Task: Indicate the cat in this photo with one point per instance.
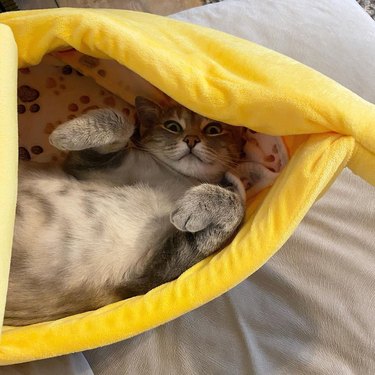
(132, 208)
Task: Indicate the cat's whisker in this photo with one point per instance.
(222, 159)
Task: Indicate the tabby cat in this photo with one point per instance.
(132, 208)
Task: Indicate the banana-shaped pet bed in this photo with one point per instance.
(324, 126)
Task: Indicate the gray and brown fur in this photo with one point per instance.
(133, 208)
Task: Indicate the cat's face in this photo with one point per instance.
(187, 142)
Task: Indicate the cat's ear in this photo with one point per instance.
(148, 112)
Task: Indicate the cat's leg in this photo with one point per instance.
(211, 213)
(95, 140)
(205, 220)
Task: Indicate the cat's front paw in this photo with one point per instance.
(191, 215)
(206, 205)
(103, 129)
(65, 139)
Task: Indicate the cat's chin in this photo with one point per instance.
(192, 166)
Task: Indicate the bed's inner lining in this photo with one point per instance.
(67, 84)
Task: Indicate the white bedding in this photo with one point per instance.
(310, 309)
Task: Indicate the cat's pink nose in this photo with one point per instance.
(191, 140)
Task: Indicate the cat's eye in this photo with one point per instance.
(213, 128)
(173, 126)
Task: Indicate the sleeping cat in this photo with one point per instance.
(133, 208)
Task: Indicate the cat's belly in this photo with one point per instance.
(72, 236)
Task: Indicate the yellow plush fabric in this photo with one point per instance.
(221, 77)
(8, 154)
